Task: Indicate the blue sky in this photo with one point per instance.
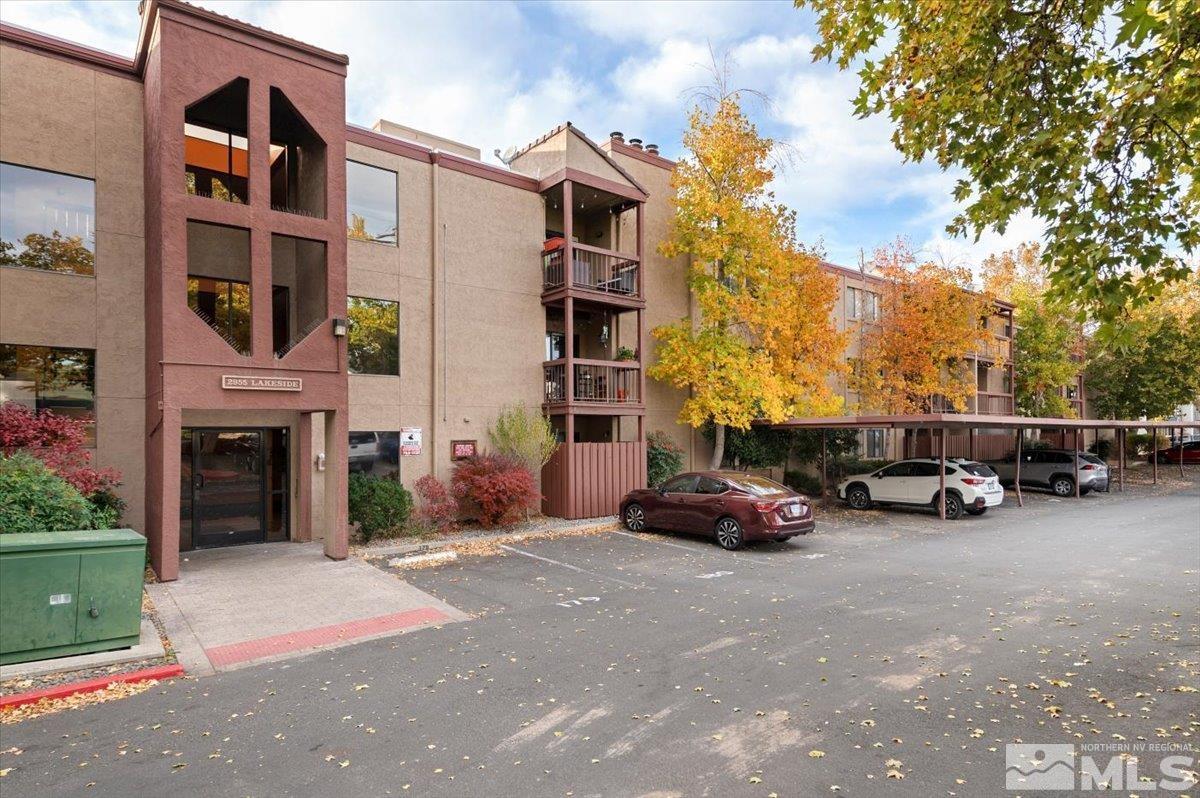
(498, 74)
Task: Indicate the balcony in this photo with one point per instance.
(598, 386)
(984, 403)
(595, 272)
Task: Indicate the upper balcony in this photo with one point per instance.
(595, 273)
(609, 387)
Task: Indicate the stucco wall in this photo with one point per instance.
(68, 118)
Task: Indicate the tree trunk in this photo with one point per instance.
(718, 447)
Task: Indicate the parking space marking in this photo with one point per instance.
(658, 541)
(576, 568)
(577, 602)
(714, 575)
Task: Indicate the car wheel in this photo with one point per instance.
(1063, 486)
(954, 507)
(975, 511)
(635, 518)
(729, 534)
(859, 498)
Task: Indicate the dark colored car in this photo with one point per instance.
(1190, 452)
(729, 506)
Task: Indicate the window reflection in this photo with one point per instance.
(47, 220)
(374, 336)
(370, 203)
(374, 453)
(51, 378)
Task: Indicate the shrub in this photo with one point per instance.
(438, 507)
(1101, 447)
(58, 441)
(664, 458)
(500, 487)
(803, 482)
(34, 499)
(1144, 443)
(379, 505)
(524, 435)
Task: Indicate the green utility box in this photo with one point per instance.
(64, 593)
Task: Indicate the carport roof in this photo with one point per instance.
(968, 421)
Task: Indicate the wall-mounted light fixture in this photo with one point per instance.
(339, 328)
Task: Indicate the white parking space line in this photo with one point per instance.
(655, 540)
(576, 568)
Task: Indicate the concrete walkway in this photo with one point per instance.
(242, 605)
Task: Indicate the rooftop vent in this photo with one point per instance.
(617, 135)
(652, 149)
(635, 143)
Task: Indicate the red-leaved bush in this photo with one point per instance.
(438, 507)
(58, 441)
(501, 488)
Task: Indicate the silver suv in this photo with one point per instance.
(1052, 468)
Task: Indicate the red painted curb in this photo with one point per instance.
(90, 685)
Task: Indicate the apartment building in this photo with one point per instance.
(248, 297)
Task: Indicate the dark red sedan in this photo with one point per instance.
(730, 506)
(1190, 452)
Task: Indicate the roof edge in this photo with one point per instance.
(66, 50)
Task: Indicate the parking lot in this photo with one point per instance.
(887, 653)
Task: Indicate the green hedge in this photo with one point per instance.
(35, 499)
(379, 505)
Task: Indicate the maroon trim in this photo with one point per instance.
(42, 44)
(641, 155)
(455, 163)
(593, 181)
(91, 685)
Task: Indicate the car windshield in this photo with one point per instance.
(977, 469)
(759, 486)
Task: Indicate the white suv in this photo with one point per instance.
(971, 487)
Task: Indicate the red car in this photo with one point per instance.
(1190, 453)
(730, 506)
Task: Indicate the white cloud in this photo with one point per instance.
(114, 32)
(699, 20)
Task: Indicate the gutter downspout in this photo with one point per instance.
(435, 315)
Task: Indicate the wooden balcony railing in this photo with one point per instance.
(593, 268)
(983, 403)
(608, 382)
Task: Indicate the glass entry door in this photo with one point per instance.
(228, 484)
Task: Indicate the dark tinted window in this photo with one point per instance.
(370, 203)
(62, 381)
(373, 338)
(978, 470)
(758, 486)
(683, 484)
(1058, 457)
(711, 486)
(927, 470)
(47, 220)
(897, 470)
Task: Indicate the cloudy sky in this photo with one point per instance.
(497, 74)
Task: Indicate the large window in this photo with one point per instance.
(862, 304)
(47, 220)
(50, 378)
(375, 453)
(374, 336)
(370, 203)
(218, 280)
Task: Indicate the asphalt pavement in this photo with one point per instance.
(896, 658)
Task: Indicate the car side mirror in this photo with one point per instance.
(877, 476)
(661, 491)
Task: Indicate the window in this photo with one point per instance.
(871, 309)
(47, 220)
(711, 487)
(981, 376)
(759, 486)
(51, 378)
(218, 280)
(375, 453)
(875, 444)
(1006, 380)
(216, 153)
(897, 470)
(298, 293)
(978, 470)
(862, 304)
(853, 303)
(683, 484)
(374, 336)
(370, 203)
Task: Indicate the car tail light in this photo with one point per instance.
(765, 507)
(973, 480)
(1088, 467)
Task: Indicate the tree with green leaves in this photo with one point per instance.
(763, 346)
(1159, 369)
(525, 435)
(1084, 113)
(1048, 343)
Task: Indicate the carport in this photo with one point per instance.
(944, 422)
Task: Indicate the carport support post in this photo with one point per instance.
(1121, 459)
(942, 474)
(824, 465)
(1017, 475)
(1075, 458)
(1181, 451)
(1154, 455)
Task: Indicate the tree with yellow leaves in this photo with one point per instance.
(931, 324)
(763, 346)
